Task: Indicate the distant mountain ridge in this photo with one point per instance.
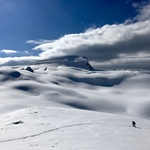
(72, 61)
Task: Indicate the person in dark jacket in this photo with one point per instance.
(133, 124)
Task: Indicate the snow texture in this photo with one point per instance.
(66, 104)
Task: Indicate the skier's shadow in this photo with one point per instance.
(138, 127)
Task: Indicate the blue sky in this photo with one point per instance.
(44, 21)
(49, 19)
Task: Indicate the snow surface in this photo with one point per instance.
(66, 105)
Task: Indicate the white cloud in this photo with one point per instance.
(37, 42)
(102, 44)
(106, 43)
(124, 45)
(7, 51)
(143, 10)
(11, 61)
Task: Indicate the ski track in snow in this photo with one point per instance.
(58, 128)
(68, 83)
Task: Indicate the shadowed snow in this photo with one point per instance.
(61, 105)
(122, 92)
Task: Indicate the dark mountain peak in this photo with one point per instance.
(71, 61)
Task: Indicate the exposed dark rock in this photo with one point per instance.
(45, 69)
(29, 69)
(17, 122)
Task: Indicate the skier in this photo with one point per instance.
(133, 124)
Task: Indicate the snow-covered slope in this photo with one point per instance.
(64, 104)
(60, 128)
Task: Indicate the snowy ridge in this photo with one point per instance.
(63, 104)
(72, 61)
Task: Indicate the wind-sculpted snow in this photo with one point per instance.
(121, 92)
(63, 104)
(9, 75)
(141, 80)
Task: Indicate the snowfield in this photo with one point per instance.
(66, 104)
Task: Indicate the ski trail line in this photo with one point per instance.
(47, 131)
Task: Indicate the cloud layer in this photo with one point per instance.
(117, 46)
(8, 51)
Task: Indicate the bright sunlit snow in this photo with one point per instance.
(66, 104)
